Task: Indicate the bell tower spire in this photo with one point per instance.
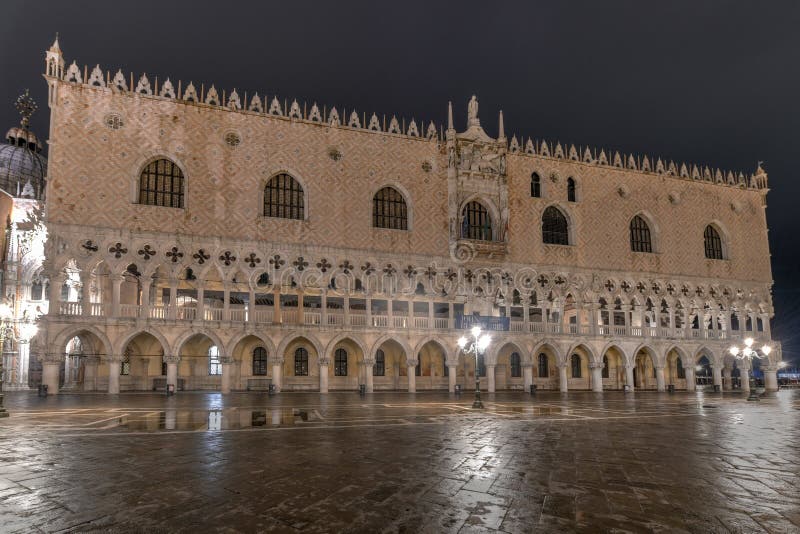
(54, 70)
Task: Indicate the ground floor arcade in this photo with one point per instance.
(120, 358)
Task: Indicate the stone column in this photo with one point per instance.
(277, 373)
(563, 385)
(490, 378)
(323, 310)
(690, 381)
(226, 362)
(411, 368)
(56, 283)
(744, 377)
(51, 365)
(527, 375)
(597, 376)
(86, 298)
(452, 368)
(767, 333)
(323, 374)
(276, 306)
(727, 382)
(113, 362)
(251, 305)
(200, 314)
(172, 370)
(629, 377)
(369, 383)
(300, 318)
(660, 380)
(144, 311)
(173, 298)
(90, 364)
(116, 282)
(717, 372)
(770, 378)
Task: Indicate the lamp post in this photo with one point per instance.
(476, 346)
(747, 353)
(6, 317)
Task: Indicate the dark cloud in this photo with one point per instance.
(713, 82)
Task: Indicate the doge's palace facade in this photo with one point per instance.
(217, 240)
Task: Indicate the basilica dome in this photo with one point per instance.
(23, 167)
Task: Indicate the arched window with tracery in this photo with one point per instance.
(379, 369)
(125, 365)
(571, 190)
(576, 366)
(284, 198)
(259, 361)
(476, 222)
(161, 184)
(555, 230)
(713, 243)
(300, 362)
(544, 371)
(516, 365)
(536, 185)
(389, 209)
(340, 362)
(640, 235)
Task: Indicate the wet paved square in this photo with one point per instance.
(394, 462)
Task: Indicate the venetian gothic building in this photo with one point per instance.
(213, 239)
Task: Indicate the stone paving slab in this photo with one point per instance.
(394, 462)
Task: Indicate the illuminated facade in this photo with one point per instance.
(217, 240)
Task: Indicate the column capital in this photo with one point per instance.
(411, 363)
(659, 367)
(369, 362)
(91, 360)
(527, 364)
(226, 360)
(324, 361)
(113, 358)
(275, 360)
(451, 363)
(171, 359)
(595, 365)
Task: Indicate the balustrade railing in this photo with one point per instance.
(359, 318)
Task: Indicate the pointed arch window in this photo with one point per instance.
(259, 361)
(536, 186)
(641, 240)
(161, 184)
(340, 362)
(544, 370)
(379, 369)
(284, 198)
(300, 362)
(36, 290)
(516, 365)
(389, 210)
(555, 230)
(476, 222)
(571, 190)
(713, 243)
(576, 366)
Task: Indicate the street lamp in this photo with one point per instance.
(477, 346)
(6, 318)
(747, 353)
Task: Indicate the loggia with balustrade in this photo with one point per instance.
(375, 312)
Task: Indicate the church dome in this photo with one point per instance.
(23, 167)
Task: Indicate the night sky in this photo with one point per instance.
(712, 83)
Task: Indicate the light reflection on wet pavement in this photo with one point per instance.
(400, 463)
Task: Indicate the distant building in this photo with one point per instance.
(23, 169)
(212, 239)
